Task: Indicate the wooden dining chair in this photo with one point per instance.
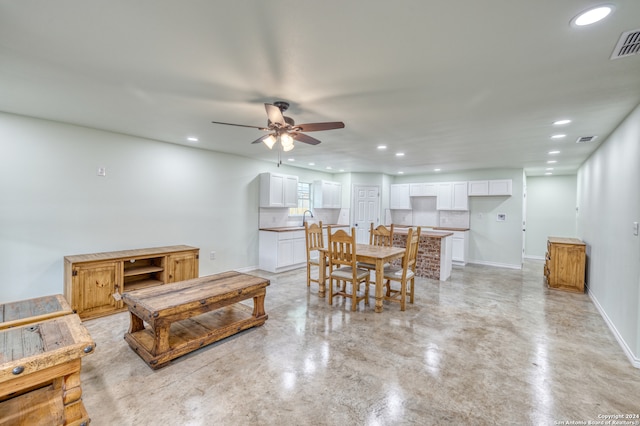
(404, 275)
(343, 268)
(379, 236)
(314, 242)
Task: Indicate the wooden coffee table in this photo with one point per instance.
(188, 315)
(13, 314)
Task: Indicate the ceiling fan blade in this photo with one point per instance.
(274, 114)
(301, 137)
(314, 127)
(262, 138)
(240, 125)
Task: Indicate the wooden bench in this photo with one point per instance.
(187, 315)
(40, 372)
(13, 314)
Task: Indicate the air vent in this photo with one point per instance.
(628, 45)
(584, 139)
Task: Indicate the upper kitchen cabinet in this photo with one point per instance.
(278, 190)
(423, 189)
(327, 195)
(452, 196)
(490, 187)
(399, 197)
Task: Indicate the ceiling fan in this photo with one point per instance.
(285, 130)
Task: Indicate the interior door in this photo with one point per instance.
(366, 211)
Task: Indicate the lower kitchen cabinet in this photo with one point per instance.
(282, 250)
(460, 247)
(93, 283)
(564, 266)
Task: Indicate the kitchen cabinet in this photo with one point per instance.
(452, 196)
(94, 282)
(327, 195)
(399, 197)
(423, 189)
(565, 264)
(278, 190)
(490, 187)
(460, 247)
(281, 251)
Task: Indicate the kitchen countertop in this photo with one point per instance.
(423, 233)
(300, 228)
(442, 228)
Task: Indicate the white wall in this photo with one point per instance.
(154, 194)
(490, 242)
(608, 204)
(551, 211)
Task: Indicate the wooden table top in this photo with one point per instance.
(41, 345)
(33, 310)
(191, 294)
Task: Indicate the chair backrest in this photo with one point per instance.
(381, 235)
(313, 237)
(342, 248)
(411, 251)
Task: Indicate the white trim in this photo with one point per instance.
(529, 256)
(496, 264)
(247, 269)
(625, 348)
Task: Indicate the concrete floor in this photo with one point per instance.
(489, 346)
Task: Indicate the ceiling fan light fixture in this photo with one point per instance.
(286, 141)
(269, 141)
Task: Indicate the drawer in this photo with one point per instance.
(290, 235)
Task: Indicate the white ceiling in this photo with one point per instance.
(453, 84)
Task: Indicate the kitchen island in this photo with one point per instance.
(434, 252)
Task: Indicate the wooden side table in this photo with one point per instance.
(33, 310)
(40, 372)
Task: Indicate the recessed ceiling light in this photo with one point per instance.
(312, 164)
(342, 170)
(436, 170)
(551, 162)
(328, 167)
(554, 152)
(560, 136)
(593, 15)
(548, 173)
(561, 122)
(192, 139)
(382, 147)
(549, 168)
(399, 154)
(400, 173)
(291, 159)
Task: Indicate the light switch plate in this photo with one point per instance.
(635, 228)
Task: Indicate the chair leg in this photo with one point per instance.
(413, 284)
(308, 275)
(330, 291)
(366, 292)
(403, 295)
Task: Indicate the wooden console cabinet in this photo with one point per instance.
(94, 283)
(565, 264)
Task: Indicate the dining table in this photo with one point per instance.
(377, 255)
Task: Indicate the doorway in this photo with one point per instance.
(366, 210)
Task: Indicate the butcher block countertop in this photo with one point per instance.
(299, 228)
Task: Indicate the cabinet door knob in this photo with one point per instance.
(17, 370)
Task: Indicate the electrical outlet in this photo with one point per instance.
(102, 171)
(212, 255)
(635, 228)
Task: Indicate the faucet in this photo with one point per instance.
(303, 215)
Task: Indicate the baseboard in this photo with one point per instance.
(247, 269)
(635, 361)
(496, 264)
(533, 257)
